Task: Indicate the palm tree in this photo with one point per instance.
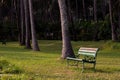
(27, 43)
(95, 10)
(66, 44)
(119, 13)
(84, 10)
(22, 23)
(114, 37)
(34, 39)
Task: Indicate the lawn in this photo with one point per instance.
(47, 64)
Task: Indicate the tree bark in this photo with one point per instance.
(34, 38)
(119, 20)
(70, 20)
(66, 44)
(114, 37)
(95, 10)
(103, 9)
(27, 41)
(84, 10)
(17, 8)
(95, 20)
(22, 23)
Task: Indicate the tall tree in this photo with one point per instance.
(34, 38)
(119, 20)
(114, 37)
(84, 10)
(17, 10)
(103, 5)
(27, 41)
(22, 23)
(76, 3)
(95, 10)
(66, 44)
(95, 20)
(119, 13)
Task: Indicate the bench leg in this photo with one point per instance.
(94, 66)
(82, 66)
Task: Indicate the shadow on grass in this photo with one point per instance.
(108, 71)
(91, 70)
(51, 76)
(103, 71)
(13, 49)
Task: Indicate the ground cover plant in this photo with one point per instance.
(47, 65)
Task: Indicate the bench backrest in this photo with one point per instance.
(90, 52)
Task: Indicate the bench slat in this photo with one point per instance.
(87, 51)
(85, 48)
(76, 59)
(87, 54)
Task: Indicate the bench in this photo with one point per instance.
(85, 55)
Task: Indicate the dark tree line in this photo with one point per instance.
(82, 15)
(20, 14)
(40, 19)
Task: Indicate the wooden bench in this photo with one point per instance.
(85, 55)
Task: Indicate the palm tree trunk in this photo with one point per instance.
(111, 21)
(95, 19)
(84, 10)
(27, 41)
(17, 8)
(22, 23)
(66, 44)
(70, 19)
(103, 8)
(34, 38)
(119, 21)
(95, 10)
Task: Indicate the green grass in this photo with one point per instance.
(47, 65)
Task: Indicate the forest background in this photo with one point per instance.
(89, 19)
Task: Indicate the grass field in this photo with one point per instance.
(47, 65)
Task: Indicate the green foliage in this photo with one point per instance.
(44, 32)
(14, 77)
(110, 45)
(90, 30)
(6, 67)
(104, 30)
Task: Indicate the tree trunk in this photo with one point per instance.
(84, 10)
(17, 8)
(70, 19)
(103, 8)
(22, 23)
(66, 44)
(95, 19)
(34, 38)
(27, 43)
(114, 37)
(119, 21)
(95, 10)
(76, 2)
